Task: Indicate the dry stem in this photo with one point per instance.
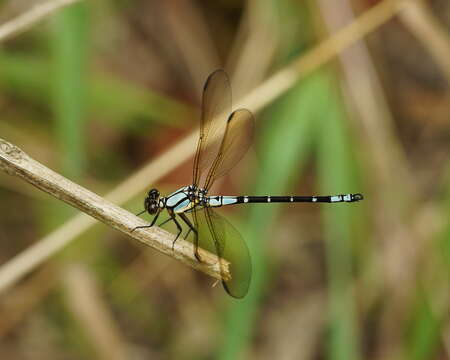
(15, 162)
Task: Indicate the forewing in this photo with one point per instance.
(236, 140)
(216, 107)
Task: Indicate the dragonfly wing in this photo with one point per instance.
(236, 140)
(222, 143)
(216, 106)
(217, 235)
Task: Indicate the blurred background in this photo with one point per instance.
(102, 89)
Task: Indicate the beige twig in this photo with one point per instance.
(26, 20)
(36, 254)
(180, 152)
(15, 162)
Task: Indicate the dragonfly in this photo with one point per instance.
(225, 137)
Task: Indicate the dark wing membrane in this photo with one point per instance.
(236, 141)
(218, 236)
(216, 106)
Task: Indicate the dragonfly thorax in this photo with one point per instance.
(196, 195)
(201, 195)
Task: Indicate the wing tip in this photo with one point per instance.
(239, 111)
(234, 294)
(215, 73)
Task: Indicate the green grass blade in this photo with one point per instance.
(69, 85)
(337, 176)
(425, 332)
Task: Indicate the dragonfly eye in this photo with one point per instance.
(153, 194)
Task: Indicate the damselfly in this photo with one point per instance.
(224, 138)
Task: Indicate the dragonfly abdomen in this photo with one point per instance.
(284, 199)
(216, 201)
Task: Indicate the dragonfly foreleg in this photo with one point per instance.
(141, 212)
(166, 221)
(148, 226)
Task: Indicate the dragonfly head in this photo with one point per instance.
(151, 202)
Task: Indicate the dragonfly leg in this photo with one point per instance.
(141, 212)
(147, 226)
(165, 221)
(154, 219)
(180, 229)
(196, 253)
(189, 224)
(192, 228)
